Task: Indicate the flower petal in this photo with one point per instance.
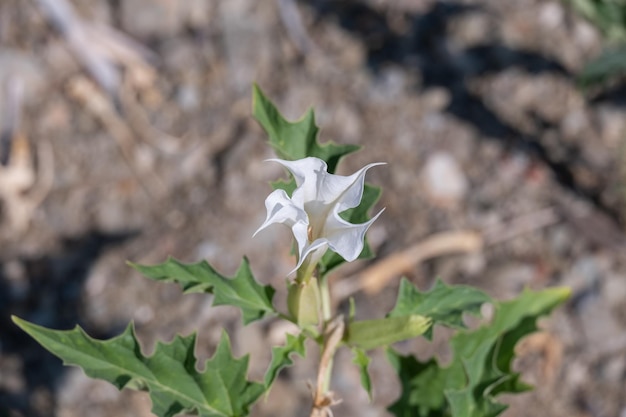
(315, 184)
(316, 250)
(312, 211)
(307, 172)
(281, 209)
(346, 238)
(345, 192)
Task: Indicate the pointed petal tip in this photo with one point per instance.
(378, 214)
(292, 272)
(373, 164)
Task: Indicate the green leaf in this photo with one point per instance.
(481, 364)
(295, 140)
(443, 304)
(289, 186)
(423, 385)
(241, 290)
(281, 357)
(361, 360)
(169, 375)
(359, 214)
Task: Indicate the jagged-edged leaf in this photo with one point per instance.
(423, 385)
(170, 375)
(361, 360)
(295, 140)
(491, 349)
(481, 365)
(359, 214)
(241, 290)
(444, 304)
(281, 357)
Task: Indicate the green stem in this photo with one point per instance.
(326, 316)
(327, 313)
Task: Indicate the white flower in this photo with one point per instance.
(313, 210)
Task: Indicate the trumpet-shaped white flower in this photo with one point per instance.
(312, 212)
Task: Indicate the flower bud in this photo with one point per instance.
(370, 334)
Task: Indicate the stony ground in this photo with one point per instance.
(128, 135)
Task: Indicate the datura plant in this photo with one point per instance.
(328, 215)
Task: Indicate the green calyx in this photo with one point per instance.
(303, 302)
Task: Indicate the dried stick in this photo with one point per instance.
(22, 189)
(374, 278)
(86, 93)
(291, 18)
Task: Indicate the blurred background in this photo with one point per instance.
(126, 134)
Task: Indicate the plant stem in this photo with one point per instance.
(323, 399)
(325, 299)
(324, 384)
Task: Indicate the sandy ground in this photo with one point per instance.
(131, 137)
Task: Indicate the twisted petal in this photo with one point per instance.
(315, 250)
(317, 185)
(281, 209)
(346, 192)
(346, 238)
(306, 172)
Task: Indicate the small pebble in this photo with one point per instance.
(444, 180)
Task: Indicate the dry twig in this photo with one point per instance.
(86, 93)
(99, 48)
(374, 278)
(291, 18)
(121, 68)
(549, 347)
(22, 188)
